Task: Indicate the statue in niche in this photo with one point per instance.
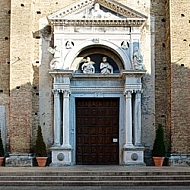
(88, 67)
(105, 67)
(55, 63)
(137, 59)
(98, 13)
(69, 44)
(125, 45)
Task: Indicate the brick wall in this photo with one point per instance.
(24, 73)
(179, 77)
(159, 13)
(5, 60)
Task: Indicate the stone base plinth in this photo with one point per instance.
(133, 156)
(179, 160)
(19, 160)
(61, 156)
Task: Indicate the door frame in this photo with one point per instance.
(73, 119)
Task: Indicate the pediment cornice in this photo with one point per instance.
(80, 14)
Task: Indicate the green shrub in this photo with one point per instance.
(159, 144)
(2, 152)
(40, 149)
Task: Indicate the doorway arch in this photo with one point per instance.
(73, 58)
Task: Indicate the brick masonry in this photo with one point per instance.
(179, 79)
(22, 85)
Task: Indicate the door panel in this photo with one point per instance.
(97, 124)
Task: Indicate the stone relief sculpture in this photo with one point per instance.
(69, 44)
(98, 13)
(137, 59)
(125, 45)
(88, 67)
(105, 67)
(55, 63)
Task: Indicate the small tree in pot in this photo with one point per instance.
(2, 152)
(158, 151)
(40, 149)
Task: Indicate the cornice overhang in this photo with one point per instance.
(89, 22)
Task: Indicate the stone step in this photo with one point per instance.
(94, 178)
(92, 173)
(97, 183)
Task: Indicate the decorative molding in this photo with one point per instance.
(100, 23)
(133, 86)
(96, 89)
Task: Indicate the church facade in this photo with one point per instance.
(98, 76)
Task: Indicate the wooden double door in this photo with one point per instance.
(97, 131)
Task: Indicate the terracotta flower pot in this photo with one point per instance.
(1, 161)
(158, 161)
(41, 161)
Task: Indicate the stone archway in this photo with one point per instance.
(96, 53)
(70, 59)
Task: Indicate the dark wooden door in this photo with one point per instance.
(97, 126)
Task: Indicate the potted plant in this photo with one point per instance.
(40, 149)
(158, 151)
(2, 152)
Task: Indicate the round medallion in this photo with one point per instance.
(134, 156)
(60, 156)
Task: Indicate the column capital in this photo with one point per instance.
(128, 93)
(66, 93)
(139, 91)
(56, 91)
(138, 94)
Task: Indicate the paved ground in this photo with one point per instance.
(96, 188)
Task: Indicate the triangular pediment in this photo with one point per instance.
(97, 12)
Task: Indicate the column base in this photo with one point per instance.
(133, 156)
(61, 156)
(19, 160)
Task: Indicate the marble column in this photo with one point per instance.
(66, 143)
(137, 118)
(128, 119)
(57, 117)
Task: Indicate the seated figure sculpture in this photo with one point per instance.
(98, 13)
(105, 67)
(88, 67)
